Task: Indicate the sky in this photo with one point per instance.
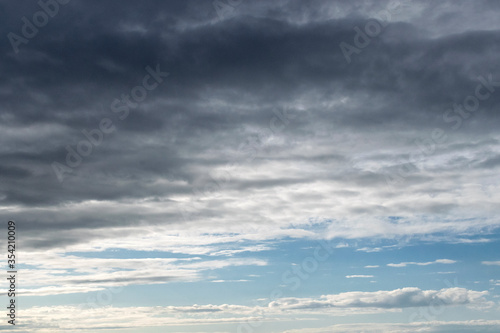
(251, 166)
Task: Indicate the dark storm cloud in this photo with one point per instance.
(226, 78)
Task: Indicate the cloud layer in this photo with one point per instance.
(64, 318)
(261, 102)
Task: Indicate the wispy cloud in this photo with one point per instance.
(438, 261)
(369, 249)
(429, 327)
(225, 281)
(358, 276)
(74, 274)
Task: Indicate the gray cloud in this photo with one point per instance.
(353, 125)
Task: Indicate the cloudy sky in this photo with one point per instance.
(252, 166)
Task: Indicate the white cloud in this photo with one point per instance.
(72, 318)
(471, 241)
(395, 299)
(221, 281)
(372, 266)
(490, 326)
(370, 249)
(491, 263)
(74, 274)
(495, 282)
(358, 276)
(438, 261)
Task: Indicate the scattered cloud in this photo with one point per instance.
(495, 282)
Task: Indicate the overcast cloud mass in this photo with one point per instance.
(252, 166)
